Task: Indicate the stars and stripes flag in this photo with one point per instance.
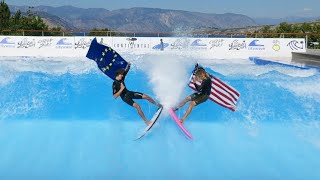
(221, 93)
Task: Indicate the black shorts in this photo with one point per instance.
(199, 98)
(130, 95)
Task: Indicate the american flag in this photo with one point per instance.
(221, 93)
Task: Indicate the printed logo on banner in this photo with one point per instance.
(101, 42)
(198, 44)
(236, 45)
(295, 45)
(182, 43)
(45, 42)
(256, 46)
(7, 43)
(26, 43)
(216, 43)
(161, 46)
(132, 44)
(276, 45)
(82, 43)
(64, 43)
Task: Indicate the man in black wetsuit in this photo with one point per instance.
(199, 97)
(119, 89)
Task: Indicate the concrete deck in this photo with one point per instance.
(311, 57)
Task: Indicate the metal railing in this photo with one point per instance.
(22, 32)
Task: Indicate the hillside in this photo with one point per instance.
(136, 19)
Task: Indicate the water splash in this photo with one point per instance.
(168, 76)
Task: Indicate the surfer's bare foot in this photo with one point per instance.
(181, 120)
(148, 123)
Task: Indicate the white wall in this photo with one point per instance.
(220, 48)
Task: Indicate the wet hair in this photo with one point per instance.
(119, 71)
(201, 74)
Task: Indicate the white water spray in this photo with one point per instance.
(168, 76)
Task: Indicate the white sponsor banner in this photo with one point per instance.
(219, 48)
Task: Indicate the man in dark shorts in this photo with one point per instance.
(199, 97)
(119, 89)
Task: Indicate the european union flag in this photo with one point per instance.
(107, 59)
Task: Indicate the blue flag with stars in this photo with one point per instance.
(107, 59)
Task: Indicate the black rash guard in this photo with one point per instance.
(117, 84)
(204, 91)
(116, 87)
(125, 95)
(205, 87)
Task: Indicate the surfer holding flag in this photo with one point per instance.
(202, 94)
(116, 68)
(119, 89)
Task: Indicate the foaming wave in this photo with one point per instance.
(253, 70)
(56, 66)
(308, 88)
(23, 106)
(7, 76)
(293, 72)
(244, 67)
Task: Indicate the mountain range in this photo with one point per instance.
(291, 19)
(139, 19)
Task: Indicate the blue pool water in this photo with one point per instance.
(59, 120)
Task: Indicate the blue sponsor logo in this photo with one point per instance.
(160, 46)
(7, 43)
(63, 44)
(198, 43)
(255, 45)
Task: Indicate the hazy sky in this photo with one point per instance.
(251, 8)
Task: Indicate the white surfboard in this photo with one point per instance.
(153, 121)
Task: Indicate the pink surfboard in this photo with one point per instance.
(176, 119)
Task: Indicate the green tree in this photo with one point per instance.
(295, 28)
(315, 38)
(56, 32)
(15, 21)
(32, 22)
(17, 17)
(266, 29)
(306, 28)
(4, 15)
(284, 27)
(101, 32)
